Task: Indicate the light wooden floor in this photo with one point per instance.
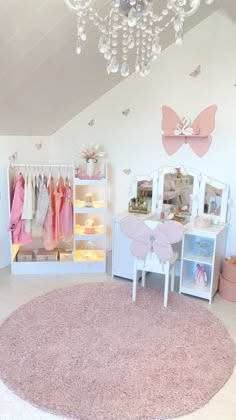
(17, 290)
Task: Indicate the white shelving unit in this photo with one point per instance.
(204, 246)
(88, 250)
(90, 224)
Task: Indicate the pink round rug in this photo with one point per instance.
(88, 353)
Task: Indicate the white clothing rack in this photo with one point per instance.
(42, 165)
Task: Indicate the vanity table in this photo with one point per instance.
(202, 247)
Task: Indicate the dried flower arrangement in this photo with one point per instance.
(91, 152)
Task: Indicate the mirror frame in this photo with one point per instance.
(206, 180)
(185, 171)
(198, 195)
(139, 178)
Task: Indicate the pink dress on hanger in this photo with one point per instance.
(16, 224)
(58, 196)
(49, 223)
(66, 215)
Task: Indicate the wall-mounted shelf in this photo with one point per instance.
(175, 130)
(186, 136)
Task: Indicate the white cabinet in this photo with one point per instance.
(90, 204)
(205, 248)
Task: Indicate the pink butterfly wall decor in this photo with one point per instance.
(145, 239)
(178, 131)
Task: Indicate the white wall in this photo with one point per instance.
(135, 141)
(26, 153)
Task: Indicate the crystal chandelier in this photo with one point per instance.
(130, 31)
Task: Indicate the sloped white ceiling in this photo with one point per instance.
(229, 7)
(43, 82)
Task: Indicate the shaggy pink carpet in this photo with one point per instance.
(87, 352)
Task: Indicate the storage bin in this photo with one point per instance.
(227, 289)
(24, 255)
(203, 248)
(66, 255)
(229, 269)
(44, 255)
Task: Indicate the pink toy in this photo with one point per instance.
(201, 276)
(146, 239)
(82, 174)
(202, 222)
(197, 134)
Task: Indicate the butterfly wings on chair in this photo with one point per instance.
(178, 131)
(146, 239)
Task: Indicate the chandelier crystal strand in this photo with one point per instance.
(125, 41)
(137, 45)
(114, 64)
(131, 28)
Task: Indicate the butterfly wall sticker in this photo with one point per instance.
(39, 145)
(197, 134)
(196, 72)
(127, 171)
(145, 239)
(13, 157)
(126, 112)
(91, 122)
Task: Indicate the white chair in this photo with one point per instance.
(152, 249)
(151, 263)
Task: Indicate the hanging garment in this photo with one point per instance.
(37, 179)
(58, 196)
(49, 223)
(16, 224)
(43, 202)
(66, 215)
(27, 213)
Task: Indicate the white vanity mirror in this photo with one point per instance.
(213, 199)
(178, 190)
(144, 188)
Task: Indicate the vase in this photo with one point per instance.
(90, 168)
